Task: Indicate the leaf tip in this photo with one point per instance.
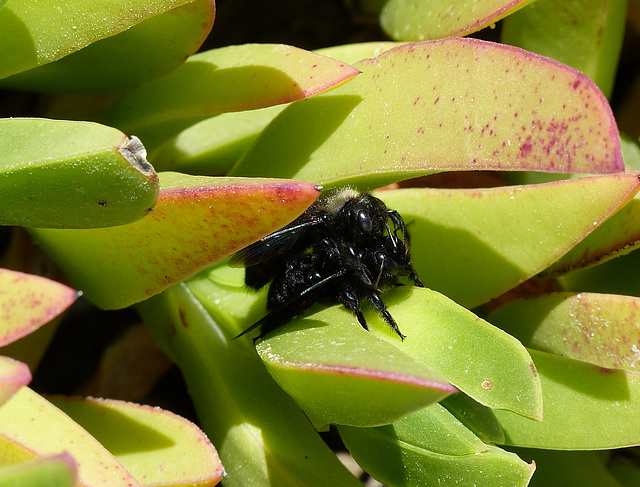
(135, 153)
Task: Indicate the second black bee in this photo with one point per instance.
(346, 248)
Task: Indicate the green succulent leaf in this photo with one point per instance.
(28, 421)
(214, 145)
(197, 221)
(13, 376)
(585, 34)
(64, 174)
(476, 357)
(154, 46)
(331, 366)
(261, 435)
(569, 468)
(630, 152)
(475, 244)
(586, 407)
(602, 329)
(618, 235)
(412, 20)
(159, 447)
(28, 302)
(476, 417)
(35, 33)
(430, 447)
(615, 276)
(626, 471)
(226, 80)
(211, 147)
(56, 470)
(424, 108)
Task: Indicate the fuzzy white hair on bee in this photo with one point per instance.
(334, 202)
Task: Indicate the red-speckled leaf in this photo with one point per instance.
(617, 236)
(228, 79)
(455, 104)
(586, 407)
(28, 302)
(415, 20)
(34, 424)
(13, 375)
(156, 446)
(214, 145)
(585, 34)
(196, 222)
(475, 244)
(333, 368)
(602, 329)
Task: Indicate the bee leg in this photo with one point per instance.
(361, 320)
(416, 280)
(352, 303)
(382, 309)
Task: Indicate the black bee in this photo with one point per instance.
(344, 249)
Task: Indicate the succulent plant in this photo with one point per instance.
(521, 356)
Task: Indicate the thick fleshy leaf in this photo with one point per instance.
(67, 174)
(455, 104)
(569, 468)
(261, 435)
(615, 276)
(213, 146)
(432, 428)
(154, 46)
(331, 366)
(56, 470)
(35, 424)
(586, 407)
(626, 471)
(475, 244)
(478, 418)
(431, 447)
(585, 34)
(13, 375)
(196, 222)
(602, 329)
(481, 360)
(156, 446)
(630, 152)
(228, 79)
(617, 236)
(35, 33)
(413, 20)
(28, 302)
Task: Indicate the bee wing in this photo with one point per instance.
(274, 244)
(279, 316)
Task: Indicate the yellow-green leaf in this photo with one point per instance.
(34, 423)
(474, 244)
(156, 446)
(28, 302)
(454, 104)
(197, 221)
